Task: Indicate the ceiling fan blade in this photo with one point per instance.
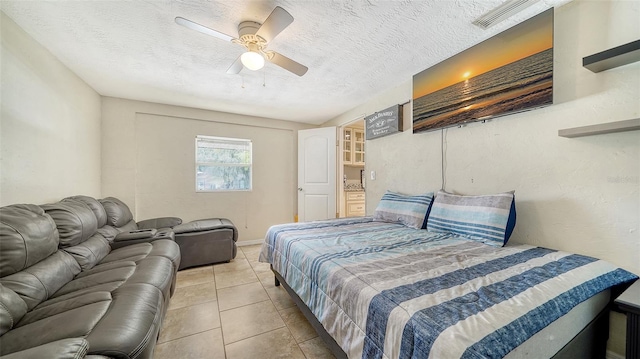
(277, 21)
(203, 29)
(235, 67)
(286, 63)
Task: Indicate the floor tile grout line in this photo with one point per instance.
(224, 347)
(259, 334)
(189, 335)
(242, 306)
(194, 304)
(233, 286)
(294, 337)
(191, 285)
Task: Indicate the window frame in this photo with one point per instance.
(226, 139)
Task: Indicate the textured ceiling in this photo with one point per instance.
(354, 49)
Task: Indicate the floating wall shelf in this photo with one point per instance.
(617, 56)
(601, 129)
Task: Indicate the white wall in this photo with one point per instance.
(49, 125)
(579, 195)
(148, 162)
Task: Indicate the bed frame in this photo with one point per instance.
(590, 343)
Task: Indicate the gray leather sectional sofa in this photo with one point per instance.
(71, 286)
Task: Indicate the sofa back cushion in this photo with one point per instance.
(109, 232)
(40, 281)
(96, 207)
(118, 213)
(12, 309)
(90, 252)
(27, 236)
(75, 221)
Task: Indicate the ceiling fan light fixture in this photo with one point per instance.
(255, 37)
(252, 60)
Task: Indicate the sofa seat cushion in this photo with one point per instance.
(119, 324)
(168, 249)
(105, 267)
(77, 321)
(49, 309)
(154, 270)
(115, 275)
(107, 287)
(162, 247)
(73, 348)
(129, 253)
(130, 324)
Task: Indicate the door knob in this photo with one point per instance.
(300, 189)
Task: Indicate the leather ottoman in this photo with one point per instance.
(206, 241)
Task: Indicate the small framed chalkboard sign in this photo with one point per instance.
(383, 123)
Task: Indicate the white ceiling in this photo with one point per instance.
(354, 49)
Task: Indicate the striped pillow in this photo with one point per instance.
(408, 210)
(489, 219)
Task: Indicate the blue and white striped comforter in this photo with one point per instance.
(383, 290)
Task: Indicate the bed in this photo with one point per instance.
(375, 289)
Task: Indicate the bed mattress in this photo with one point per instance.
(382, 290)
(547, 342)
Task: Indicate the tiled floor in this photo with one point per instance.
(233, 310)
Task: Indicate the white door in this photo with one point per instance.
(316, 174)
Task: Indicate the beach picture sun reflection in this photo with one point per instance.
(510, 72)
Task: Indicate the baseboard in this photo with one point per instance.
(612, 355)
(249, 242)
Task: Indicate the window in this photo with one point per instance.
(223, 164)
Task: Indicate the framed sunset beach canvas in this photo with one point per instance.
(510, 72)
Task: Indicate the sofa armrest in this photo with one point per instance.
(140, 236)
(62, 349)
(162, 222)
(135, 234)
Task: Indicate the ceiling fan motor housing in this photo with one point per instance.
(248, 28)
(248, 38)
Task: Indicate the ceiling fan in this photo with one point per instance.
(255, 37)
